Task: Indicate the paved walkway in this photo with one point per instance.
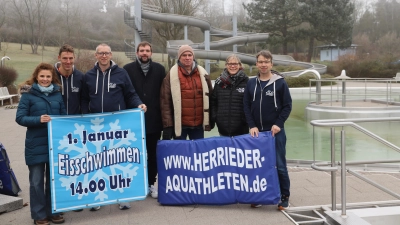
(309, 188)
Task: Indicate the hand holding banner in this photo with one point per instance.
(97, 159)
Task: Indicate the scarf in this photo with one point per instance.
(145, 66)
(46, 90)
(225, 79)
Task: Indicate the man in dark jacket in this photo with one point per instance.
(71, 79)
(267, 105)
(107, 88)
(147, 77)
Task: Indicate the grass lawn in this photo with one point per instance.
(24, 62)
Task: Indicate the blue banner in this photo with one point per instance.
(97, 159)
(218, 171)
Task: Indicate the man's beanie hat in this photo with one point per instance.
(185, 48)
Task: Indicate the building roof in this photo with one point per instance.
(334, 46)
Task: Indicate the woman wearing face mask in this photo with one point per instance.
(227, 99)
(41, 97)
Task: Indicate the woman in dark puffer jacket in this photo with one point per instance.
(41, 97)
(227, 99)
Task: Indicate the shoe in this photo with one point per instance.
(96, 208)
(78, 210)
(56, 219)
(255, 205)
(153, 191)
(284, 204)
(41, 222)
(124, 205)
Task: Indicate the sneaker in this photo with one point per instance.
(255, 205)
(41, 222)
(56, 219)
(153, 191)
(124, 205)
(284, 204)
(96, 208)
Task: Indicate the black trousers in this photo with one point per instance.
(151, 144)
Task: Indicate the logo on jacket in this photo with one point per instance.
(74, 89)
(240, 90)
(269, 93)
(112, 85)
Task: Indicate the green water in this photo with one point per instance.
(299, 134)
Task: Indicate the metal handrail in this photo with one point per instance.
(340, 93)
(331, 167)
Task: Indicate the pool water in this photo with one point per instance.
(299, 134)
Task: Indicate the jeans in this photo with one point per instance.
(39, 194)
(192, 132)
(283, 175)
(151, 144)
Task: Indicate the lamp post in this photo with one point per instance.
(2, 60)
(343, 78)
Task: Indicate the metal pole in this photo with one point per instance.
(333, 173)
(2, 60)
(234, 33)
(318, 87)
(207, 48)
(138, 14)
(138, 39)
(185, 32)
(343, 93)
(343, 172)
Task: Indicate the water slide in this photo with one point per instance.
(241, 38)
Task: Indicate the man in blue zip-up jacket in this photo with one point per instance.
(107, 88)
(71, 79)
(267, 105)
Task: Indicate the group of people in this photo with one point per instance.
(178, 105)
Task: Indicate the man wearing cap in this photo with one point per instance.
(185, 98)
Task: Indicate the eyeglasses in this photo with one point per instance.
(103, 53)
(263, 62)
(232, 64)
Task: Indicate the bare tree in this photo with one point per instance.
(2, 18)
(33, 16)
(171, 31)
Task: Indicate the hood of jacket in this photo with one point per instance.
(107, 71)
(275, 76)
(194, 66)
(57, 66)
(34, 88)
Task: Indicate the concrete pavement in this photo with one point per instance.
(308, 188)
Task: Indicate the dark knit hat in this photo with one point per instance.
(185, 48)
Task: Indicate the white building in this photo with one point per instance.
(332, 52)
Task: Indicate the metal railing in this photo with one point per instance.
(337, 90)
(333, 166)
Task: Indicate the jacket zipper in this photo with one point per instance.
(102, 95)
(195, 91)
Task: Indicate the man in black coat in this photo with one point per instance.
(147, 77)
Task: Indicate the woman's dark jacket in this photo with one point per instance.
(227, 104)
(32, 105)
